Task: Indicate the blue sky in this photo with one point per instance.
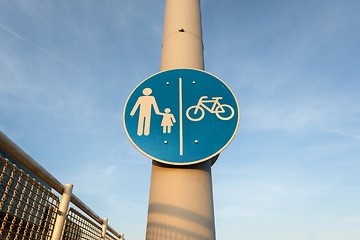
(292, 172)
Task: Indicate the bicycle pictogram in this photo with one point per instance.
(222, 111)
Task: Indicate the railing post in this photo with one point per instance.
(61, 216)
(14, 152)
(104, 227)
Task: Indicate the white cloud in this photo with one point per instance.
(338, 115)
(352, 219)
(267, 195)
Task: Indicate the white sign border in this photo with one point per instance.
(182, 163)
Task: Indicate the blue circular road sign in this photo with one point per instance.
(181, 116)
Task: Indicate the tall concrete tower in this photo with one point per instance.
(181, 198)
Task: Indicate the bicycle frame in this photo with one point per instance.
(202, 102)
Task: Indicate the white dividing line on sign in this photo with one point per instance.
(181, 118)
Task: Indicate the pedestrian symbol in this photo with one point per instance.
(145, 104)
(181, 116)
(168, 121)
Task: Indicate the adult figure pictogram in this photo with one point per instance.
(145, 104)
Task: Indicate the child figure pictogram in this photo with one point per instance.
(167, 121)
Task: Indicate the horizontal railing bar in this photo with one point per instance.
(28, 162)
(15, 152)
(75, 200)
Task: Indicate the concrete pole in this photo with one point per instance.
(182, 45)
(181, 199)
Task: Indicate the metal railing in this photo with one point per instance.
(30, 209)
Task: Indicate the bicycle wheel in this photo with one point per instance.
(224, 112)
(195, 113)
